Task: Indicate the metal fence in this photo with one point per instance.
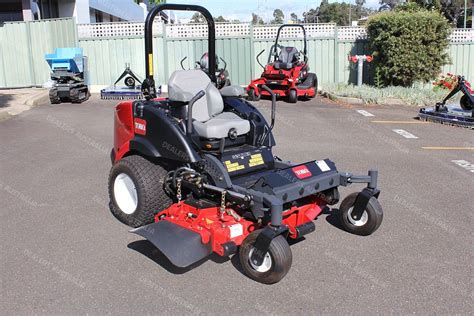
(110, 46)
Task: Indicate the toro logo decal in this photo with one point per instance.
(140, 126)
(302, 172)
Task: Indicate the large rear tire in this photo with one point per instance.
(466, 105)
(315, 85)
(277, 260)
(136, 191)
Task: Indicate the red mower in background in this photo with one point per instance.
(287, 75)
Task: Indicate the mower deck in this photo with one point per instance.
(454, 116)
(121, 93)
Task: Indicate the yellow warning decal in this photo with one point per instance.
(256, 160)
(208, 221)
(150, 64)
(233, 166)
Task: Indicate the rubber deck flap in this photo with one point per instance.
(181, 246)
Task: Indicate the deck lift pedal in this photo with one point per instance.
(194, 174)
(68, 72)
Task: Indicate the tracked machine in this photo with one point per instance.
(195, 174)
(68, 73)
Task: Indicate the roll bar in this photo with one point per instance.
(148, 86)
(278, 37)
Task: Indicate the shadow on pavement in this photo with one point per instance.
(149, 250)
(5, 100)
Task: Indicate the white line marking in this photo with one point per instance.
(464, 164)
(404, 133)
(365, 113)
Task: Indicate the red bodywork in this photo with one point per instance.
(218, 230)
(125, 127)
(281, 81)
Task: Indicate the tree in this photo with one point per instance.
(390, 4)
(294, 17)
(403, 54)
(257, 20)
(278, 17)
(311, 16)
(198, 18)
(220, 18)
(453, 10)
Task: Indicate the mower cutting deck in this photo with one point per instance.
(194, 174)
(453, 115)
(130, 91)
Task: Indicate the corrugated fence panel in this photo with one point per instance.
(235, 52)
(16, 55)
(23, 46)
(108, 57)
(462, 60)
(45, 37)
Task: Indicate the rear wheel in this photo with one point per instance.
(368, 223)
(293, 96)
(130, 82)
(253, 95)
(465, 103)
(315, 85)
(275, 265)
(136, 191)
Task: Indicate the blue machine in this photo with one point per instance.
(68, 71)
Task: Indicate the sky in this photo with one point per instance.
(242, 9)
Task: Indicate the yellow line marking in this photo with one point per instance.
(401, 122)
(448, 148)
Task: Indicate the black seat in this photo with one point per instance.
(288, 56)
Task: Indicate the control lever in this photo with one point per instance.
(189, 127)
(266, 88)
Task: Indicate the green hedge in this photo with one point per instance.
(409, 46)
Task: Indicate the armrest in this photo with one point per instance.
(232, 91)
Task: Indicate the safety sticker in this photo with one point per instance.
(233, 166)
(256, 160)
(322, 165)
(236, 230)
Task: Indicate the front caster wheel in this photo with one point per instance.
(466, 105)
(369, 221)
(276, 264)
(293, 96)
(253, 95)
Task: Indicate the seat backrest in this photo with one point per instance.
(288, 55)
(184, 84)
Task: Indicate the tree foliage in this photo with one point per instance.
(257, 20)
(404, 54)
(278, 16)
(220, 18)
(336, 12)
(198, 18)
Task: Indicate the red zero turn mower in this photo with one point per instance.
(194, 174)
(288, 75)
